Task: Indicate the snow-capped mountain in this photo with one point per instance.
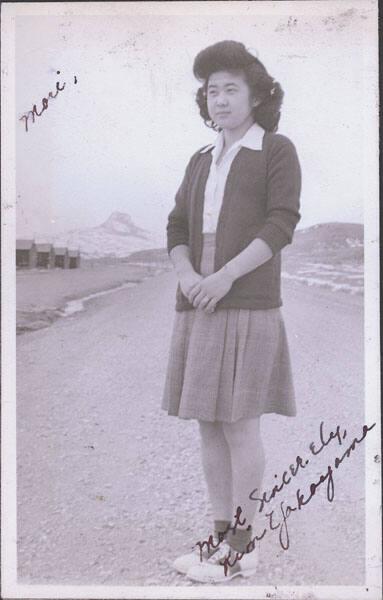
(117, 236)
(122, 224)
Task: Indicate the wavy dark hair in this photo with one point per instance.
(234, 57)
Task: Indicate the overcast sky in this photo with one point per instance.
(119, 139)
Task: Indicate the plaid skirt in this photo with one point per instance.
(228, 365)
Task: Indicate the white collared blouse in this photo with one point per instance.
(215, 185)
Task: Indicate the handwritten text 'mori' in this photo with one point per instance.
(45, 102)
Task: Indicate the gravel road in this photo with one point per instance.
(110, 489)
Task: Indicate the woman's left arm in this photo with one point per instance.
(284, 181)
(282, 216)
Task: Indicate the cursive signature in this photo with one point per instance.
(279, 522)
(34, 112)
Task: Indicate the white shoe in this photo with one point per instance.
(218, 567)
(183, 563)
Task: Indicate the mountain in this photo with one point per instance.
(118, 236)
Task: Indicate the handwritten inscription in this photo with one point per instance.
(45, 102)
(209, 543)
(268, 497)
(333, 435)
(279, 522)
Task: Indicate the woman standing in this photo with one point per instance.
(237, 207)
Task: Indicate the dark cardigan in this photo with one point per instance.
(261, 200)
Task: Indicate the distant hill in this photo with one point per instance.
(348, 235)
(335, 242)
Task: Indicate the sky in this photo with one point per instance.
(120, 138)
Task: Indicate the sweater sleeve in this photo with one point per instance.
(283, 193)
(178, 226)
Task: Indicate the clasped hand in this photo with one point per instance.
(205, 292)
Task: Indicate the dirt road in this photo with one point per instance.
(110, 489)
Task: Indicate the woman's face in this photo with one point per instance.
(229, 100)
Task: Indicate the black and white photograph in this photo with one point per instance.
(190, 300)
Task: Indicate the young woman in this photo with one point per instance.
(237, 207)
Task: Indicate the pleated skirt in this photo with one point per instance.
(228, 365)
